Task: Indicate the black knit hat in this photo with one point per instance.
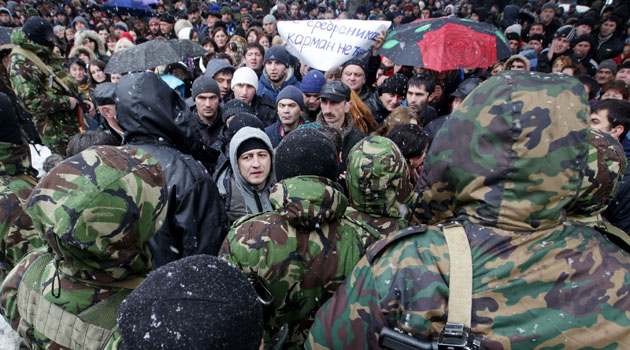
(39, 31)
(251, 144)
(10, 131)
(196, 302)
(205, 84)
(306, 151)
(357, 62)
(395, 84)
(233, 107)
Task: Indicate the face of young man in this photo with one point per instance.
(254, 166)
(224, 79)
(253, 58)
(417, 98)
(207, 104)
(244, 92)
(275, 70)
(311, 102)
(289, 113)
(600, 121)
(354, 77)
(391, 101)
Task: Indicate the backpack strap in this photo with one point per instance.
(31, 56)
(90, 330)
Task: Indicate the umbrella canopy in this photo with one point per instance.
(445, 43)
(152, 54)
(151, 2)
(5, 35)
(134, 8)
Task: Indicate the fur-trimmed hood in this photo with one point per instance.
(80, 38)
(75, 52)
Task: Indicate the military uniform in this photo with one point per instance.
(379, 186)
(49, 105)
(16, 184)
(97, 211)
(303, 250)
(506, 165)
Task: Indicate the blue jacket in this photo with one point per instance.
(265, 87)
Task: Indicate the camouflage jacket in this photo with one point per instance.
(303, 250)
(379, 186)
(49, 106)
(505, 165)
(97, 211)
(16, 228)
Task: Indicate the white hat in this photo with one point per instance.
(245, 75)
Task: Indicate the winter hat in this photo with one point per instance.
(226, 9)
(121, 26)
(205, 84)
(235, 106)
(245, 75)
(5, 10)
(58, 28)
(585, 37)
(395, 84)
(217, 65)
(251, 144)
(610, 64)
(39, 31)
(537, 37)
(514, 28)
(357, 62)
(312, 82)
(513, 36)
(587, 20)
(10, 131)
(154, 20)
(335, 91)
(549, 5)
(624, 65)
(241, 120)
(127, 36)
(181, 24)
(466, 87)
(481, 12)
(80, 19)
(306, 151)
(567, 32)
(292, 93)
(168, 18)
(185, 33)
(104, 94)
(191, 303)
(278, 53)
(269, 19)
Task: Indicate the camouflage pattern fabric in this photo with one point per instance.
(505, 166)
(97, 211)
(16, 228)
(303, 250)
(49, 106)
(379, 185)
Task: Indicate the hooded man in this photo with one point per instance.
(499, 255)
(108, 203)
(251, 158)
(51, 106)
(306, 245)
(277, 73)
(222, 72)
(158, 121)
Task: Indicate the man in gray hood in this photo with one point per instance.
(251, 158)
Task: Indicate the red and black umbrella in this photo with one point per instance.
(442, 44)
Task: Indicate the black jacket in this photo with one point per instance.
(265, 109)
(379, 112)
(157, 120)
(611, 48)
(618, 211)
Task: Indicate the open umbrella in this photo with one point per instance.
(152, 54)
(134, 8)
(445, 43)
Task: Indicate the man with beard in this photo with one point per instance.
(581, 53)
(277, 73)
(311, 86)
(154, 28)
(420, 88)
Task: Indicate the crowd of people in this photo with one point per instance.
(244, 200)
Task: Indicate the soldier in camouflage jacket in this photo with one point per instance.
(379, 185)
(305, 247)
(46, 101)
(505, 165)
(97, 211)
(17, 180)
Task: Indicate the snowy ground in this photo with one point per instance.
(9, 340)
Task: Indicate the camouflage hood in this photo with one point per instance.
(98, 209)
(602, 176)
(493, 164)
(15, 159)
(44, 53)
(308, 201)
(378, 178)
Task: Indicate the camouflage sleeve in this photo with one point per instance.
(20, 239)
(9, 288)
(28, 83)
(352, 317)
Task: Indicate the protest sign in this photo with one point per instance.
(326, 44)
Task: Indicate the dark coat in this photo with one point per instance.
(618, 211)
(379, 112)
(265, 109)
(611, 48)
(158, 121)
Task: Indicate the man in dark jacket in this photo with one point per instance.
(387, 97)
(245, 86)
(609, 45)
(336, 104)
(207, 95)
(277, 73)
(159, 122)
(290, 108)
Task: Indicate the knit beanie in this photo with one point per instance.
(235, 106)
(610, 64)
(395, 84)
(250, 145)
(269, 19)
(278, 53)
(127, 36)
(245, 75)
(122, 26)
(567, 32)
(549, 5)
(306, 151)
(312, 82)
(39, 31)
(357, 62)
(191, 303)
(205, 84)
(585, 37)
(292, 93)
